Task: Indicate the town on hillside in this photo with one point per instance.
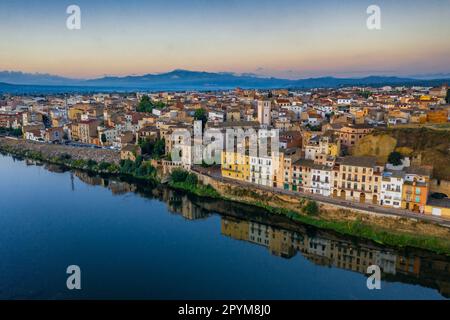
(329, 139)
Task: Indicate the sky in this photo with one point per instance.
(285, 38)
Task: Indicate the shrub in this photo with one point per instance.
(179, 175)
(126, 166)
(192, 179)
(65, 157)
(311, 208)
(90, 163)
(103, 165)
(395, 158)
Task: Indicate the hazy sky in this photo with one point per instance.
(283, 38)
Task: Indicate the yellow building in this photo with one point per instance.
(235, 165)
(358, 179)
(418, 118)
(438, 207)
(75, 112)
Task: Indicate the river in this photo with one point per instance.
(133, 241)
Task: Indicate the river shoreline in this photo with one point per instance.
(428, 236)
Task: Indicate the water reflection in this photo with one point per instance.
(285, 238)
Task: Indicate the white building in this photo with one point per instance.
(216, 116)
(321, 180)
(344, 102)
(261, 170)
(324, 110)
(110, 134)
(391, 189)
(157, 112)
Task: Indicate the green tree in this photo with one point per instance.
(138, 161)
(159, 105)
(200, 115)
(145, 170)
(17, 132)
(314, 128)
(145, 105)
(103, 138)
(146, 146)
(395, 158)
(365, 94)
(155, 149)
(159, 148)
(311, 208)
(447, 98)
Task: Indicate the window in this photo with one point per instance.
(417, 199)
(417, 190)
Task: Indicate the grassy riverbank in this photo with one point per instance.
(357, 228)
(188, 182)
(308, 212)
(362, 229)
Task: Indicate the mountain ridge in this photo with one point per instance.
(180, 79)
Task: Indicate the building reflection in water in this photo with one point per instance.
(427, 269)
(285, 238)
(180, 204)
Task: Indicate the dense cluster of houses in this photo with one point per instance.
(316, 130)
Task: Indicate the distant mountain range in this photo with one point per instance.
(194, 80)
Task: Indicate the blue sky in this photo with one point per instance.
(284, 38)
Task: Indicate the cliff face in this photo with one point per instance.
(379, 146)
(425, 146)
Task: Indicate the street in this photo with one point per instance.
(214, 172)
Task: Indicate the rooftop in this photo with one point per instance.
(362, 161)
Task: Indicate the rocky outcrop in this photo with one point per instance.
(379, 146)
(425, 146)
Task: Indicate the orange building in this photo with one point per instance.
(437, 116)
(416, 188)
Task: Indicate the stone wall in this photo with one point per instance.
(251, 194)
(441, 186)
(55, 150)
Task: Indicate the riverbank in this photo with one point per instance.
(391, 231)
(50, 151)
(383, 229)
(95, 161)
(366, 228)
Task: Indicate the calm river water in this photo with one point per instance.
(141, 242)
